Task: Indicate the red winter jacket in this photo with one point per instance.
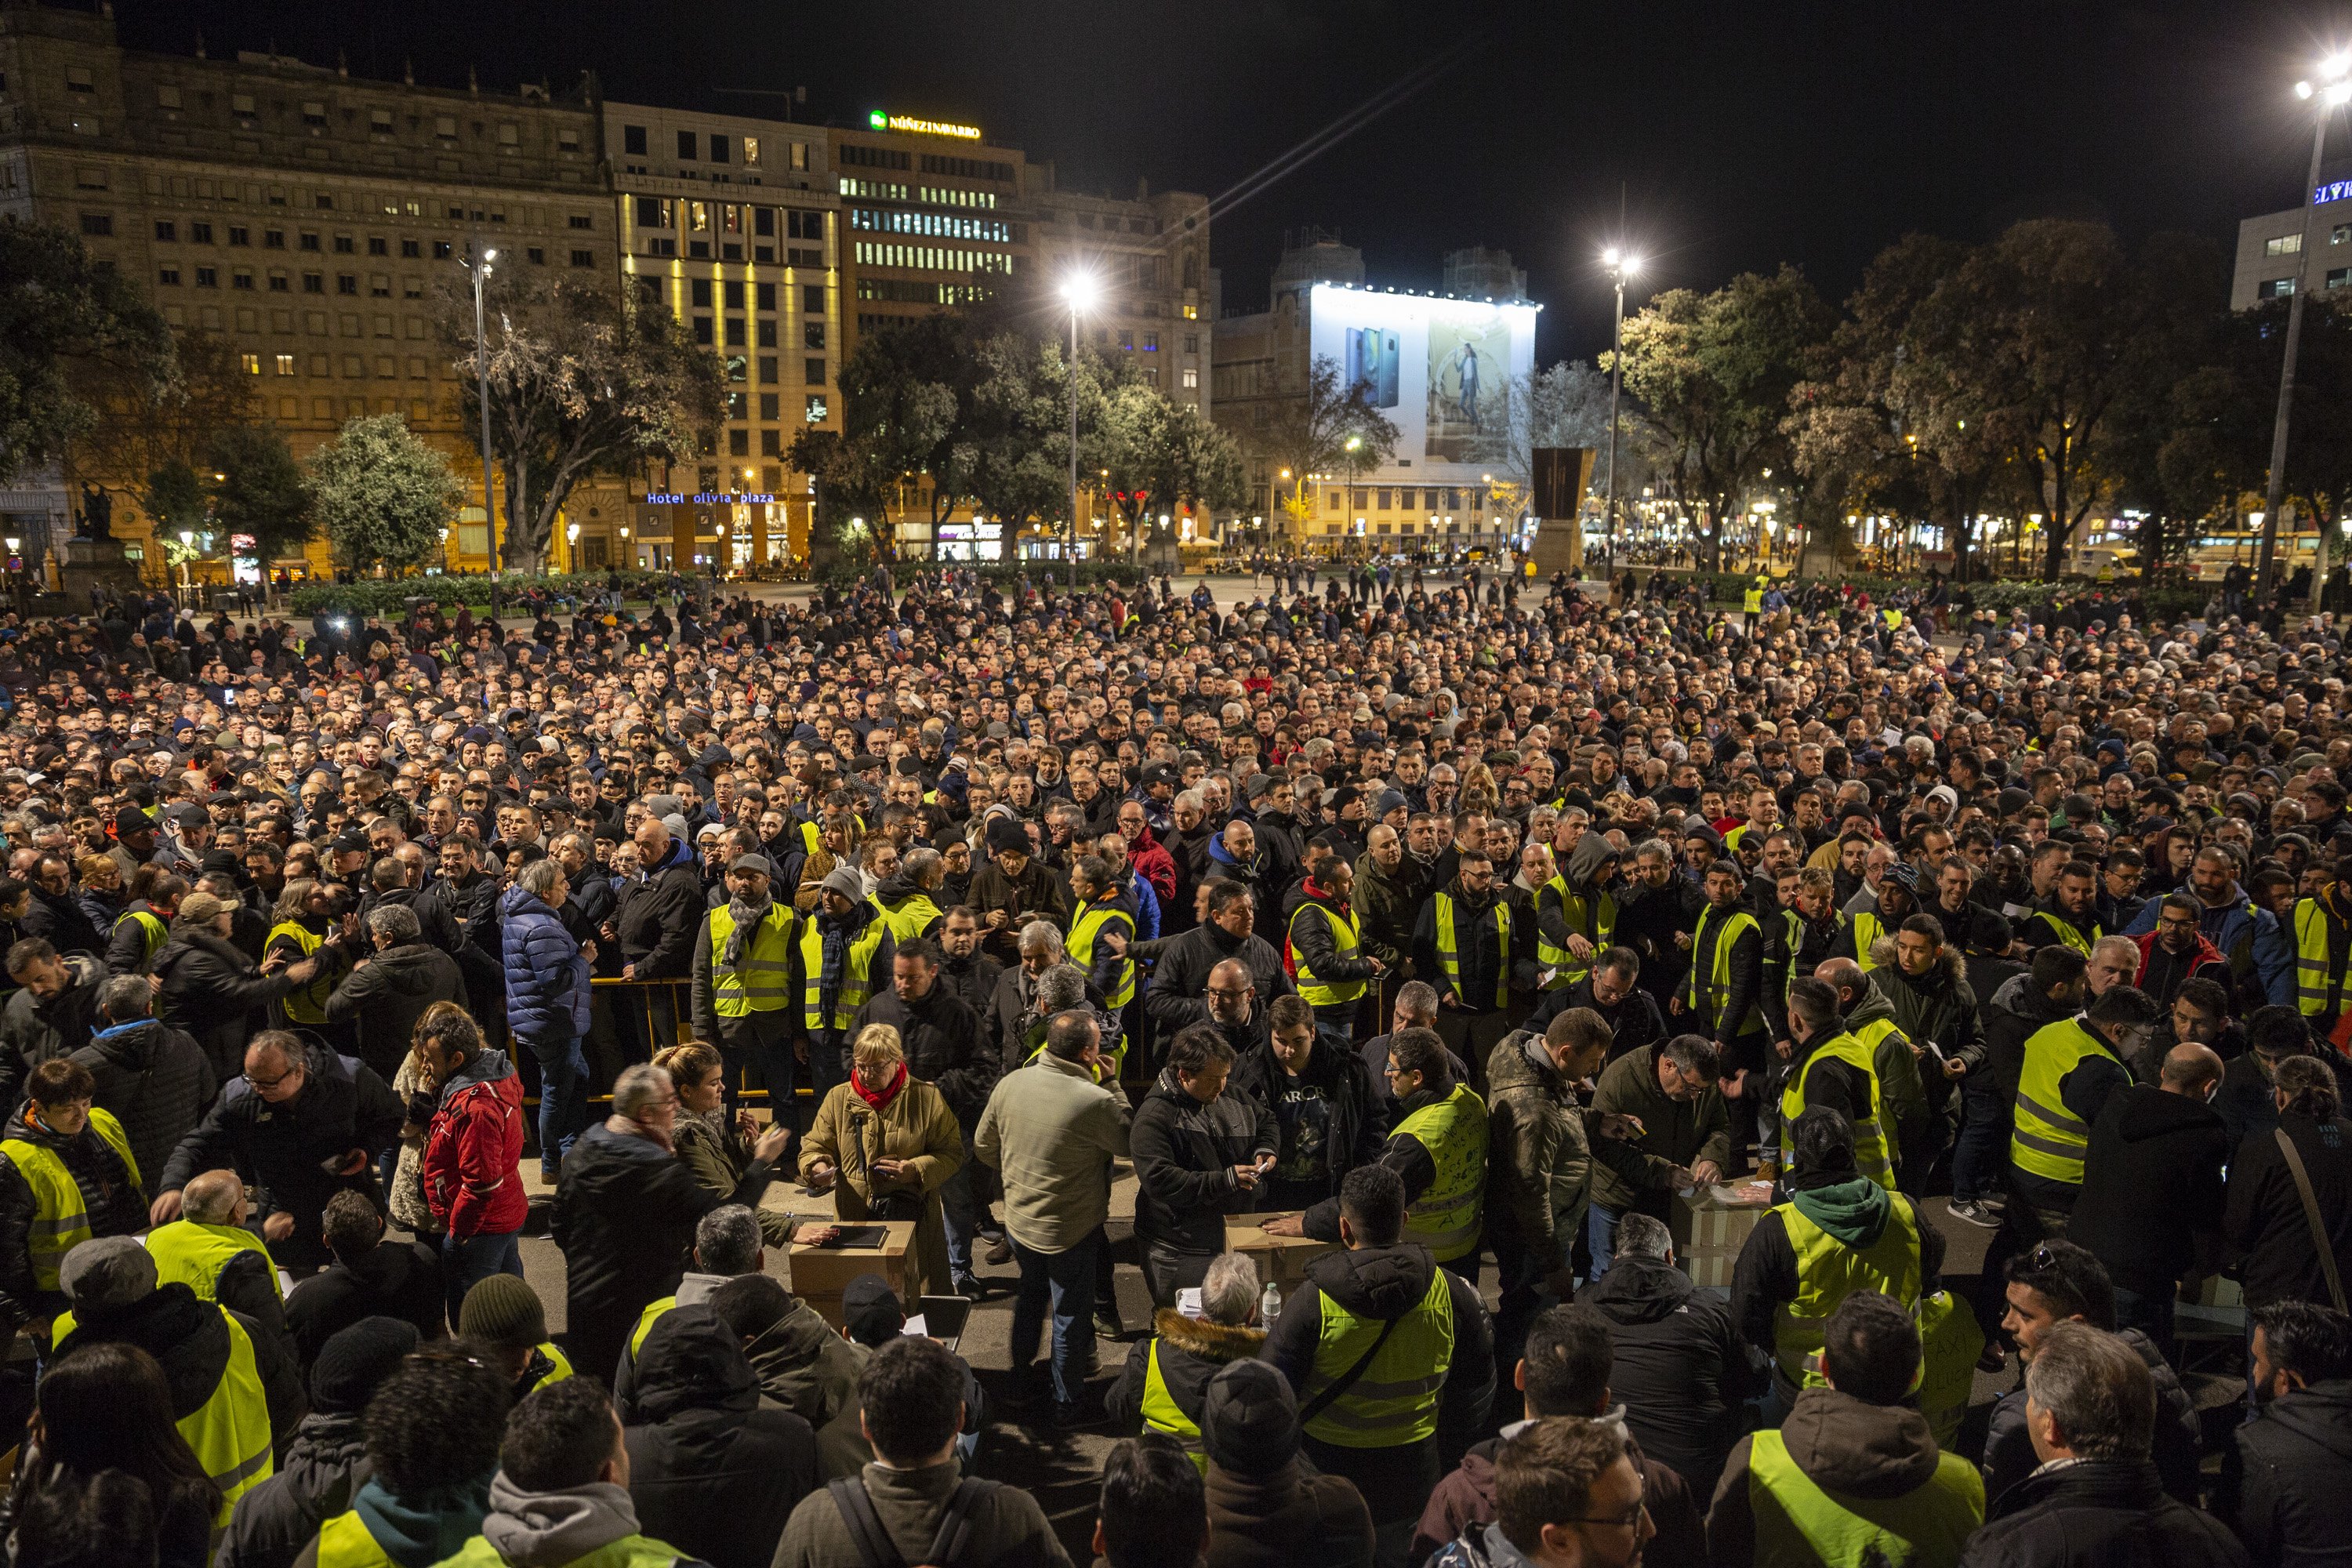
(1154, 865)
(473, 1148)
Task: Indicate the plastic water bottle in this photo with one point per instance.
(1269, 1306)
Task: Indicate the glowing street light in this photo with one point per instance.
(1620, 267)
(481, 269)
(2335, 91)
(1081, 289)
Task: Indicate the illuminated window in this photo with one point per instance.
(286, 365)
(252, 364)
(2284, 245)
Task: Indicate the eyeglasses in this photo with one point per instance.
(1629, 1519)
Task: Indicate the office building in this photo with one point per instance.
(2304, 247)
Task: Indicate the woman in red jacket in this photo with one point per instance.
(473, 1150)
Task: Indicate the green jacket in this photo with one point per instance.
(1674, 1133)
(1541, 1160)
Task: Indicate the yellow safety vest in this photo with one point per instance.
(912, 918)
(629, 1552)
(1894, 618)
(2318, 983)
(764, 984)
(1708, 992)
(1828, 1271)
(1870, 1154)
(812, 837)
(1445, 1218)
(230, 1430)
(152, 929)
(344, 1542)
(1594, 919)
(1345, 939)
(1163, 1413)
(194, 1255)
(1752, 600)
(857, 975)
(1088, 925)
(60, 1217)
(1798, 1520)
(1449, 951)
(1869, 925)
(555, 1374)
(1395, 1402)
(2045, 1138)
(2080, 941)
(1949, 1343)
(308, 1006)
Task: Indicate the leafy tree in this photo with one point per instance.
(844, 489)
(383, 496)
(909, 389)
(1020, 441)
(59, 311)
(1159, 456)
(176, 500)
(153, 429)
(580, 384)
(261, 491)
(1324, 429)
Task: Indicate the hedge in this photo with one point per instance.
(1003, 573)
(2166, 600)
(390, 595)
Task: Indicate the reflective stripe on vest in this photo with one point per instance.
(152, 929)
(1708, 994)
(2081, 941)
(1799, 1520)
(1395, 1402)
(812, 837)
(1594, 919)
(1869, 925)
(193, 1255)
(344, 1542)
(60, 1216)
(308, 1004)
(1445, 1218)
(1345, 944)
(1449, 951)
(558, 1371)
(230, 1431)
(645, 1321)
(1088, 925)
(763, 983)
(2045, 1138)
(1828, 1271)
(1163, 1413)
(912, 918)
(1870, 1154)
(2318, 984)
(857, 975)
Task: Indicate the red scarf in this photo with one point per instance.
(878, 1099)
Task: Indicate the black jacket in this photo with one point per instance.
(1179, 993)
(387, 993)
(2151, 1188)
(974, 979)
(206, 987)
(2268, 1236)
(395, 1279)
(155, 1080)
(624, 1216)
(1386, 1283)
(2009, 1455)
(288, 1150)
(1647, 919)
(32, 1030)
(1680, 1370)
(1185, 1152)
(659, 926)
(713, 1472)
(941, 1038)
(189, 1337)
(1634, 1022)
(60, 918)
(2011, 1019)
(2097, 1513)
(1479, 950)
(2286, 1481)
(1355, 1126)
(322, 1468)
(110, 1196)
(1190, 1350)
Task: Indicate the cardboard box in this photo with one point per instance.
(819, 1274)
(1718, 1219)
(1280, 1258)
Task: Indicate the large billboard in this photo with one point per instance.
(1441, 369)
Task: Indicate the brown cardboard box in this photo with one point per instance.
(819, 1274)
(1718, 1219)
(1282, 1259)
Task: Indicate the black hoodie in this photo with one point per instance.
(189, 1338)
(1680, 1370)
(2150, 1144)
(2286, 1482)
(712, 1472)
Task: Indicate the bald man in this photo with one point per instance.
(210, 1250)
(2152, 1189)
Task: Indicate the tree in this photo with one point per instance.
(1159, 456)
(1021, 442)
(260, 491)
(157, 430)
(580, 384)
(383, 496)
(910, 394)
(60, 309)
(1324, 429)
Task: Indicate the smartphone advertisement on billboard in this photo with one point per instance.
(1443, 371)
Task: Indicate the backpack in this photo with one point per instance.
(1465, 1551)
(874, 1547)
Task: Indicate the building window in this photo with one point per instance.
(306, 241)
(166, 231)
(380, 121)
(2341, 233)
(241, 277)
(813, 372)
(633, 139)
(2284, 245)
(445, 127)
(200, 234)
(79, 79)
(536, 256)
(167, 97)
(411, 249)
(1151, 343)
(286, 365)
(441, 251)
(239, 235)
(314, 113)
(767, 370)
(98, 225)
(718, 149)
(2274, 289)
(347, 283)
(583, 259)
(207, 278)
(771, 443)
(1191, 343)
(376, 246)
(581, 220)
(2338, 277)
(1191, 376)
(344, 245)
(278, 283)
(702, 330)
(699, 293)
(689, 145)
(567, 141)
(241, 105)
(510, 134)
(769, 404)
(314, 282)
(814, 409)
(252, 364)
(168, 277)
(380, 285)
(739, 443)
(736, 337)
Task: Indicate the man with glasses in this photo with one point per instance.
(2176, 951)
(1669, 1089)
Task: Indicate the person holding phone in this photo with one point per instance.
(1201, 1148)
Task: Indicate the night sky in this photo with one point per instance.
(1742, 136)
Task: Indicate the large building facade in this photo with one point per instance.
(2307, 248)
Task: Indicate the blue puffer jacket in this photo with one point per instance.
(546, 979)
(2261, 952)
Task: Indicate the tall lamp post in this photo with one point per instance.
(1079, 289)
(480, 266)
(2335, 74)
(1620, 266)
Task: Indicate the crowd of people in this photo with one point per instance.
(1514, 949)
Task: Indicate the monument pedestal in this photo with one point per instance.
(86, 564)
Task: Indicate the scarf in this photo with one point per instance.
(879, 1099)
(1315, 889)
(834, 936)
(748, 918)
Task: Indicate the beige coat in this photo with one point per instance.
(917, 1127)
(1053, 1131)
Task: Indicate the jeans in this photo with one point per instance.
(827, 1063)
(1983, 1145)
(1065, 1280)
(562, 1095)
(467, 1261)
(767, 1051)
(1601, 1236)
(960, 1209)
(1168, 1269)
(1336, 1025)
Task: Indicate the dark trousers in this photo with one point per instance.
(467, 1261)
(562, 1095)
(1168, 1269)
(761, 1041)
(1982, 1149)
(1061, 1284)
(1473, 1037)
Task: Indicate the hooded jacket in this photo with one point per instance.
(1387, 903)
(659, 926)
(2015, 1012)
(554, 1530)
(806, 1366)
(1854, 1209)
(1939, 1006)
(1191, 1352)
(206, 987)
(388, 993)
(1184, 1155)
(547, 977)
(1848, 1448)
(1584, 862)
(1680, 1367)
(1179, 993)
(1902, 1093)
(414, 1533)
(189, 1338)
(32, 1030)
(2149, 1141)
(2286, 1481)
(1354, 1122)
(1463, 1503)
(1540, 1170)
(473, 1148)
(1289, 1517)
(2091, 1514)
(154, 1081)
(322, 1469)
(712, 1471)
(1386, 1283)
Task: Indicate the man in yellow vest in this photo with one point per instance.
(1830, 1067)
(1913, 1136)
(1464, 945)
(2071, 1067)
(1870, 915)
(1326, 953)
(1752, 604)
(233, 1389)
(1167, 1377)
(503, 1315)
(729, 1242)
(1385, 1348)
(909, 899)
(307, 925)
(209, 1251)
(2070, 914)
(843, 957)
(1722, 999)
(1840, 1232)
(1576, 914)
(1854, 1475)
(2322, 950)
(742, 997)
(1102, 928)
(431, 1435)
(67, 1175)
(554, 1465)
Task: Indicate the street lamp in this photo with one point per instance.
(2336, 75)
(572, 541)
(481, 269)
(1620, 266)
(1080, 290)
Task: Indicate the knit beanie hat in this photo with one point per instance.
(502, 1311)
(354, 1362)
(1249, 1418)
(845, 881)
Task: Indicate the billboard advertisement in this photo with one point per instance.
(1442, 371)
